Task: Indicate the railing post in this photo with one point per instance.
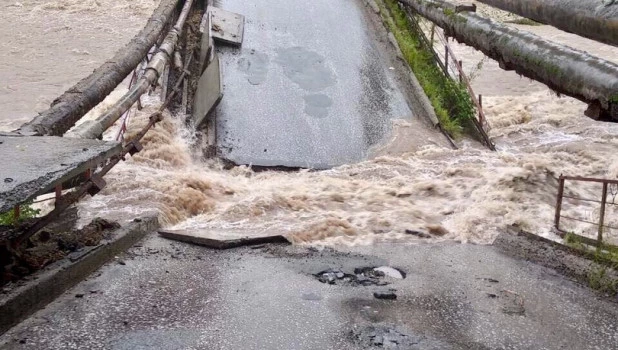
(433, 31)
(602, 214)
(480, 109)
(58, 191)
(446, 60)
(16, 213)
(559, 203)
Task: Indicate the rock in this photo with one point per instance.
(120, 262)
(385, 295)
(79, 295)
(390, 272)
(437, 230)
(417, 233)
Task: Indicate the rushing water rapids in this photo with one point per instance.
(465, 195)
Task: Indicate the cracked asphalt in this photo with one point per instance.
(171, 295)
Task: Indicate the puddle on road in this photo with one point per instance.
(305, 68)
(255, 67)
(317, 105)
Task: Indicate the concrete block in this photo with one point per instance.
(209, 92)
(227, 27)
(219, 240)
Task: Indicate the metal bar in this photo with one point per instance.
(602, 214)
(590, 179)
(481, 115)
(588, 222)
(580, 220)
(559, 203)
(460, 68)
(433, 31)
(588, 200)
(58, 191)
(16, 213)
(446, 59)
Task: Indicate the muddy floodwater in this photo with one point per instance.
(467, 195)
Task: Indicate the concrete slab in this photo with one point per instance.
(33, 165)
(207, 44)
(227, 27)
(219, 240)
(209, 91)
(172, 295)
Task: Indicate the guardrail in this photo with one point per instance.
(609, 187)
(447, 62)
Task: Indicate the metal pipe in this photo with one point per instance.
(566, 70)
(591, 19)
(67, 109)
(95, 128)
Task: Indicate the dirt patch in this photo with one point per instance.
(51, 245)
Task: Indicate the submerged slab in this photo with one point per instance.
(33, 165)
(219, 240)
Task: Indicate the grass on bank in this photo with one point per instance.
(605, 256)
(450, 99)
(524, 21)
(26, 212)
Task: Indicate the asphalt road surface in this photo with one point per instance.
(171, 295)
(310, 86)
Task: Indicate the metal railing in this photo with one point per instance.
(609, 187)
(452, 69)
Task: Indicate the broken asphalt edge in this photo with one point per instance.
(565, 260)
(187, 237)
(48, 284)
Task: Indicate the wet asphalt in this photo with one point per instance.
(168, 295)
(310, 86)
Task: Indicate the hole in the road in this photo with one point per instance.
(362, 276)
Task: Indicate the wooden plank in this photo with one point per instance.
(209, 239)
(227, 27)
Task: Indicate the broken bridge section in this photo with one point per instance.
(35, 165)
(308, 87)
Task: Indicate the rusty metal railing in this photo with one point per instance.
(608, 186)
(453, 69)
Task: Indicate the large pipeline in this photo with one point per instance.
(67, 109)
(563, 69)
(593, 19)
(94, 128)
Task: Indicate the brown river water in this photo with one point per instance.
(466, 195)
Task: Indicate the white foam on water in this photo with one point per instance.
(465, 195)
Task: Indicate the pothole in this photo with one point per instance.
(362, 276)
(391, 337)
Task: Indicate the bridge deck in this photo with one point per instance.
(32, 166)
(310, 87)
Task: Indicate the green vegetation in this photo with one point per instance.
(26, 212)
(450, 99)
(605, 256)
(524, 21)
